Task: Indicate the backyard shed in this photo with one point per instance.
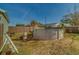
(4, 37)
(3, 25)
(51, 33)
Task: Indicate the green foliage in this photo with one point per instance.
(19, 24)
(72, 19)
(34, 22)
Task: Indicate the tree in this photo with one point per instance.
(72, 19)
(34, 22)
(19, 24)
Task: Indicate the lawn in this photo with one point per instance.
(67, 46)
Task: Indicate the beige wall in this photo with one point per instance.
(48, 34)
(4, 22)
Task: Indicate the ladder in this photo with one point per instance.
(10, 43)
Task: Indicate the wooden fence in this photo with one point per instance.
(72, 29)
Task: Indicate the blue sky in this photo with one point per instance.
(25, 13)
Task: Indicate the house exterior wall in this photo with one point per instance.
(4, 26)
(48, 34)
(1, 33)
(4, 22)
